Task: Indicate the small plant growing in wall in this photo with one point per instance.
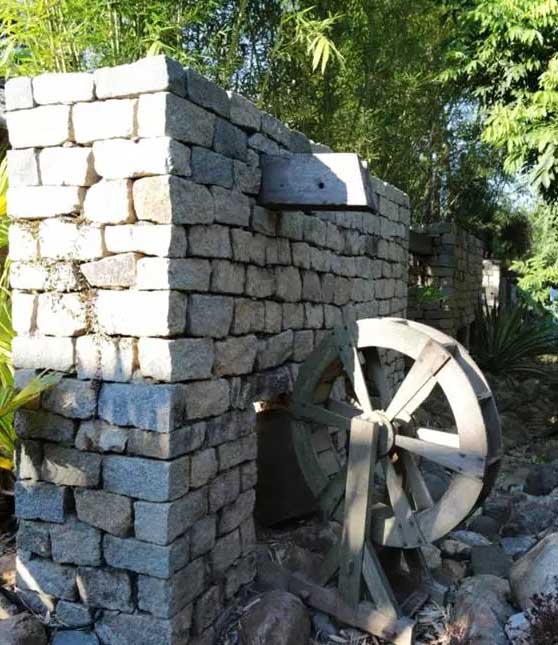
(430, 294)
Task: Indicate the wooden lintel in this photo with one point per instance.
(420, 243)
(324, 181)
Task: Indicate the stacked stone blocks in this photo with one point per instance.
(146, 273)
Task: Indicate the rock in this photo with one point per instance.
(517, 546)
(75, 637)
(323, 626)
(531, 515)
(278, 618)
(481, 610)
(432, 556)
(7, 608)
(469, 537)
(514, 431)
(491, 560)
(303, 562)
(22, 629)
(486, 526)
(542, 479)
(536, 571)
(498, 507)
(517, 629)
(453, 569)
(317, 537)
(455, 549)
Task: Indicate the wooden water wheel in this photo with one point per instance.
(387, 503)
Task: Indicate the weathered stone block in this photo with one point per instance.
(73, 614)
(46, 577)
(61, 314)
(230, 140)
(224, 489)
(68, 467)
(248, 475)
(24, 312)
(244, 113)
(203, 536)
(131, 629)
(104, 120)
(39, 501)
(210, 315)
(155, 481)
(114, 271)
(203, 467)
(105, 588)
(72, 398)
(275, 350)
(104, 358)
(166, 115)
(176, 360)
(39, 202)
(60, 276)
(151, 239)
(235, 355)
(23, 167)
(148, 313)
(142, 405)
(276, 129)
(167, 199)
(142, 557)
(211, 168)
(67, 167)
(233, 453)
(247, 178)
(249, 316)
(60, 239)
(99, 436)
(242, 573)
(227, 277)
(233, 515)
(48, 125)
(209, 241)
(19, 93)
(34, 537)
(229, 427)
(110, 202)
(28, 458)
(231, 206)
(260, 283)
(63, 88)
(163, 273)
(207, 398)
(122, 158)
(22, 242)
(166, 445)
(263, 144)
(75, 543)
(303, 344)
(208, 608)
(227, 549)
(151, 74)
(30, 424)
(289, 284)
(106, 511)
(162, 523)
(273, 317)
(43, 352)
(203, 92)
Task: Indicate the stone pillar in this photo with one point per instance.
(146, 273)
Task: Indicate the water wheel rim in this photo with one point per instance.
(460, 380)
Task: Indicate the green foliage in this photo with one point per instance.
(508, 340)
(506, 53)
(429, 294)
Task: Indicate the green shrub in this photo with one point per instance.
(508, 340)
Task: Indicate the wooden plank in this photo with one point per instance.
(420, 243)
(324, 181)
(402, 510)
(333, 494)
(351, 363)
(440, 437)
(358, 497)
(377, 584)
(415, 482)
(464, 463)
(330, 564)
(364, 617)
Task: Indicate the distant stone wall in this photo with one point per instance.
(146, 273)
(454, 266)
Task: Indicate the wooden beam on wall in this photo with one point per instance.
(323, 181)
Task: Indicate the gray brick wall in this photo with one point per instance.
(146, 272)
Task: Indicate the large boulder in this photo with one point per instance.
(23, 629)
(542, 479)
(490, 559)
(536, 572)
(481, 610)
(531, 514)
(277, 618)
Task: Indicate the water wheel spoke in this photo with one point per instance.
(419, 382)
(440, 437)
(415, 482)
(348, 352)
(401, 506)
(333, 493)
(454, 459)
(320, 414)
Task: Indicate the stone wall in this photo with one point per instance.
(454, 266)
(146, 273)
